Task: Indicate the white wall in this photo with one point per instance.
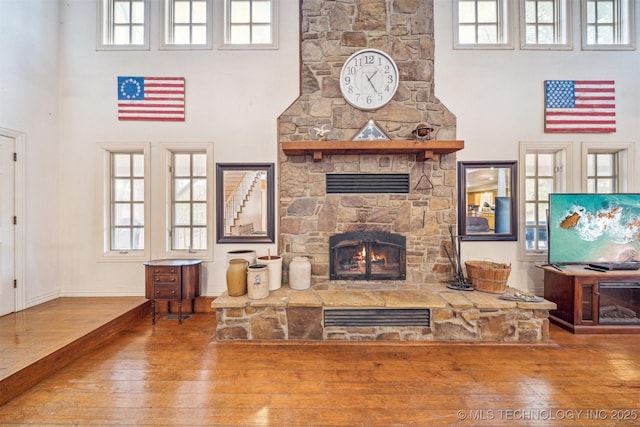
(498, 99)
(29, 99)
(233, 98)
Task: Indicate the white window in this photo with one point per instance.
(545, 24)
(545, 171)
(123, 24)
(607, 167)
(124, 171)
(249, 24)
(187, 24)
(482, 24)
(608, 24)
(189, 200)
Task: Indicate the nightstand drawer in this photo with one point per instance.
(167, 291)
(165, 270)
(166, 278)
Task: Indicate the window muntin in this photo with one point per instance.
(546, 168)
(123, 24)
(602, 174)
(187, 24)
(126, 221)
(123, 170)
(482, 24)
(189, 219)
(608, 24)
(607, 167)
(250, 24)
(546, 24)
(539, 183)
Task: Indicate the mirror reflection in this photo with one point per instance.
(245, 203)
(487, 202)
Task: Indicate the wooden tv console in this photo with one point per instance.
(576, 291)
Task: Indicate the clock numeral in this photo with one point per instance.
(347, 80)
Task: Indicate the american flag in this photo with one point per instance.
(580, 106)
(151, 98)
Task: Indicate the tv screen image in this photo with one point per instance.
(594, 228)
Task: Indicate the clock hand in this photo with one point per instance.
(370, 82)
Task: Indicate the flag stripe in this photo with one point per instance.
(151, 98)
(580, 106)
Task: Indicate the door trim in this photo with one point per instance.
(20, 213)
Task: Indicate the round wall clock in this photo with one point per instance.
(369, 79)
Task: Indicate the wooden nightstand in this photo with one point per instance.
(172, 280)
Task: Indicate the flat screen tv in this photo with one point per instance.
(594, 228)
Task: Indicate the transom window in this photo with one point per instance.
(482, 23)
(545, 23)
(250, 24)
(187, 24)
(189, 201)
(608, 24)
(123, 24)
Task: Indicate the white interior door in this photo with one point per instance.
(7, 232)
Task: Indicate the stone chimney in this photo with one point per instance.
(330, 32)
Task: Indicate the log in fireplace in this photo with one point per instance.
(368, 255)
(619, 303)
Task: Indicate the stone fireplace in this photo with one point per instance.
(366, 285)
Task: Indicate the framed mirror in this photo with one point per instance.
(245, 203)
(487, 201)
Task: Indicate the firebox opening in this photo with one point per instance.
(619, 303)
(368, 256)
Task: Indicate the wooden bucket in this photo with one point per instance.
(487, 276)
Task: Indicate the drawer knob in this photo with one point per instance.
(173, 292)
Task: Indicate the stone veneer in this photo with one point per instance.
(455, 316)
(331, 31)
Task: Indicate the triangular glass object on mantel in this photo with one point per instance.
(371, 132)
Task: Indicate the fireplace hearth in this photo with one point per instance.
(367, 255)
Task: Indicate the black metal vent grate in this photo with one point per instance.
(377, 317)
(368, 183)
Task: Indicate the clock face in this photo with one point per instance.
(369, 79)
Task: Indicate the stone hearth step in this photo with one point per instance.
(288, 314)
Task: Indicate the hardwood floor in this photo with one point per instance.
(40, 340)
(171, 374)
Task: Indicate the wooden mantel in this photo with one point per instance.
(422, 149)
